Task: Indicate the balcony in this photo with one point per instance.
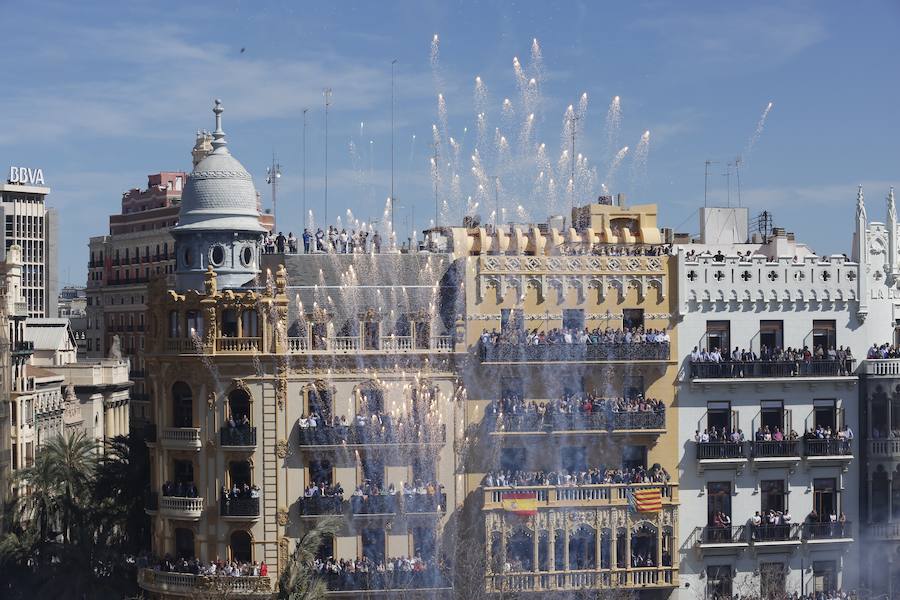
(185, 509)
(389, 344)
(182, 346)
(884, 531)
(604, 352)
(595, 579)
(323, 436)
(238, 344)
(401, 583)
(241, 436)
(775, 453)
(612, 422)
(762, 369)
(828, 451)
(194, 586)
(579, 496)
(827, 533)
(732, 537)
(721, 455)
(775, 535)
(239, 509)
(884, 448)
(881, 367)
(315, 506)
(409, 504)
(180, 438)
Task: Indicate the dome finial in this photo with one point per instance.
(218, 134)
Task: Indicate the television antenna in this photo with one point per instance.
(273, 174)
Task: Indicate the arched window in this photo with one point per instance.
(371, 399)
(184, 543)
(520, 550)
(239, 406)
(582, 548)
(241, 546)
(643, 546)
(229, 323)
(174, 324)
(182, 405)
(250, 323)
(194, 323)
(318, 400)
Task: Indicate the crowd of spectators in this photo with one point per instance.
(829, 595)
(575, 336)
(238, 431)
(576, 411)
(333, 241)
(741, 362)
(419, 496)
(593, 476)
(239, 492)
(605, 249)
(367, 574)
(883, 351)
(371, 427)
(193, 566)
(180, 489)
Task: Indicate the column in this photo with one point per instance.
(890, 497)
(551, 550)
(566, 548)
(535, 566)
(659, 546)
(107, 421)
(598, 538)
(613, 543)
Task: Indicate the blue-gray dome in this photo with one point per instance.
(219, 194)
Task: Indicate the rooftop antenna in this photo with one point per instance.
(737, 171)
(727, 176)
(303, 216)
(706, 180)
(327, 93)
(393, 62)
(273, 174)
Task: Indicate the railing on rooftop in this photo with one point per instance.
(625, 351)
(770, 369)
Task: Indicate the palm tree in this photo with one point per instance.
(299, 581)
(73, 461)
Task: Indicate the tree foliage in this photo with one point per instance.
(298, 581)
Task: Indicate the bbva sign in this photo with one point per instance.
(26, 175)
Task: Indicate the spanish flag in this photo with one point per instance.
(646, 500)
(520, 503)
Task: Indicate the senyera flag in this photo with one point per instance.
(646, 500)
(520, 503)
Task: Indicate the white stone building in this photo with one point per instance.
(779, 295)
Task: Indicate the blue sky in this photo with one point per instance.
(101, 95)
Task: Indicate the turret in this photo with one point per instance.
(859, 255)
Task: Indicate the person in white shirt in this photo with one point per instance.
(303, 422)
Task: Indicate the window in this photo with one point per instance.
(239, 473)
(183, 470)
(825, 498)
(824, 576)
(319, 336)
(771, 334)
(373, 470)
(633, 318)
(182, 405)
(239, 405)
(217, 255)
(634, 457)
(573, 318)
(229, 323)
(718, 499)
(573, 458)
(320, 471)
(718, 416)
(194, 323)
(825, 414)
(772, 416)
(424, 542)
(373, 544)
(241, 546)
(824, 335)
(772, 495)
(371, 400)
(632, 386)
(718, 335)
(247, 256)
(512, 459)
(318, 401)
(718, 582)
(184, 543)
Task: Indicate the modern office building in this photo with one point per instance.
(29, 224)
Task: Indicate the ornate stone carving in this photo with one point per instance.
(209, 281)
(281, 449)
(281, 517)
(211, 401)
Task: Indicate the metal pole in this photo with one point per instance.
(393, 62)
(303, 216)
(327, 93)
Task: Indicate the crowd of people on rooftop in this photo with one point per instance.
(883, 351)
(379, 574)
(193, 566)
(607, 249)
(575, 336)
(592, 476)
(332, 241)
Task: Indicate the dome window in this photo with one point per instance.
(247, 256)
(217, 255)
(187, 257)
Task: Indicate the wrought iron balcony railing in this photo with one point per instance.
(710, 534)
(239, 436)
(827, 531)
(361, 436)
(599, 421)
(827, 447)
(775, 533)
(720, 450)
(775, 449)
(515, 353)
(772, 369)
(239, 507)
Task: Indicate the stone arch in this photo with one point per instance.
(240, 545)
